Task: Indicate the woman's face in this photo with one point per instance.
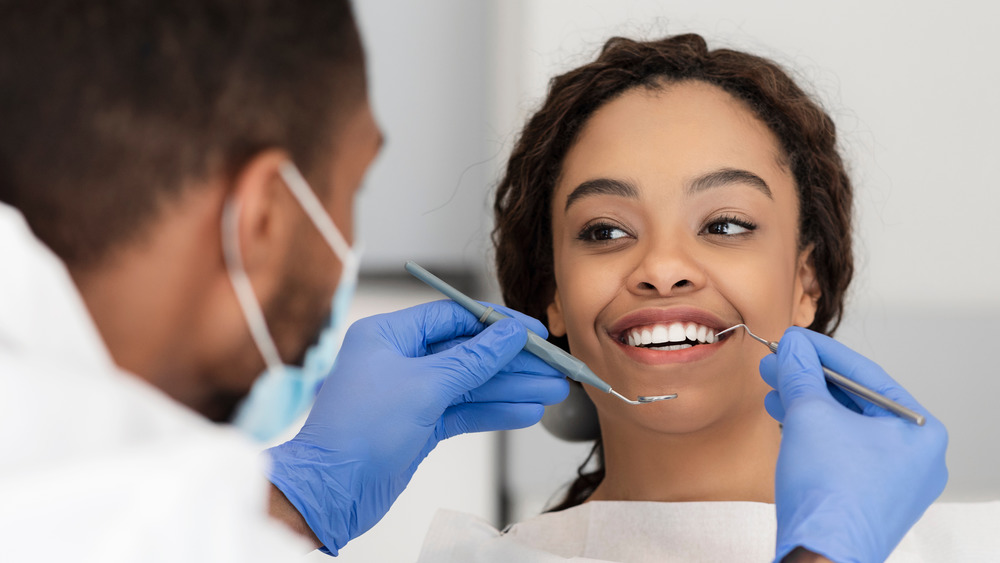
(675, 217)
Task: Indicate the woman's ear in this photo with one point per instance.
(807, 290)
(557, 325)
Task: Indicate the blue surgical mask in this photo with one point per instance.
(283, 393)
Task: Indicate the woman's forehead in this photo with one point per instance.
(673, 134)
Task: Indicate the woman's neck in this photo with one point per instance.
(732, 460)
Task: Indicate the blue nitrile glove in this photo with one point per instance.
(850, 482)
(403, 382)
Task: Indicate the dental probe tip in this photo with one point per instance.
(655, 398)
(763, 341)
(732, 328)
(643, 399)
(623, 397)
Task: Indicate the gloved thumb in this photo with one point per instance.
(471, 363)
(773, 406)
(799, 374)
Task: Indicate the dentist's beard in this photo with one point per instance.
(296, 318)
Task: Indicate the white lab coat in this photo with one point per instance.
(96, 464)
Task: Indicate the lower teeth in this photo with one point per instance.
(667, 348)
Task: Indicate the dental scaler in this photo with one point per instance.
(844, 383)
(546, 351)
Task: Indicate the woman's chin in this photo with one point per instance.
(695, 409)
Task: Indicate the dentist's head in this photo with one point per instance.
(129, 128)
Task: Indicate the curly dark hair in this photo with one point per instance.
(522, 208)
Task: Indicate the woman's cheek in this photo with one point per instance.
(582, 297)
(760, 298)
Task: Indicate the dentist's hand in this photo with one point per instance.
(850, 482)
(403, 382)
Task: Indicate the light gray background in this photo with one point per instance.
(912, 87)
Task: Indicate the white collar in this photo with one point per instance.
(42, 314)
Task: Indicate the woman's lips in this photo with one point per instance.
(656, 357)
(663, 336)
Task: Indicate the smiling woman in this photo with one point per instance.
(662, 194)
(697, 247)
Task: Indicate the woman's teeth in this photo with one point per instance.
(673, 336)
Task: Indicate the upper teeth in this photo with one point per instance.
(667, 334)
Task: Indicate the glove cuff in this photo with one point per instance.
(303, 473)
(824, 528)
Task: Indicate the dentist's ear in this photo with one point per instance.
(806, 290)
(266, 225)
(557, 324)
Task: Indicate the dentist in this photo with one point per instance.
(176, 206)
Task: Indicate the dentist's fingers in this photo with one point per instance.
(485, 417)
(518, 388)
(473, 362)
(769, 373)
(524, 362)
(772, 402)
(769, 370)
(856, 367)
(415, 330)
(799, 375)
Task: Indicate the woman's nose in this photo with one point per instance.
(667, 268)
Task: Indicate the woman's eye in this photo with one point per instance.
(729, 226)
(602, 232)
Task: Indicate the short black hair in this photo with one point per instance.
(108, 108)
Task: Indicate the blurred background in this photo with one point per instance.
(912, 87)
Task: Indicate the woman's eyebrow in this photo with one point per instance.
(602, 186)
(726, 176)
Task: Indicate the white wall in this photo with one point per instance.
(426, 196)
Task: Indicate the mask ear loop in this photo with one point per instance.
(314, 209)
(244, 290)
(237, 273)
